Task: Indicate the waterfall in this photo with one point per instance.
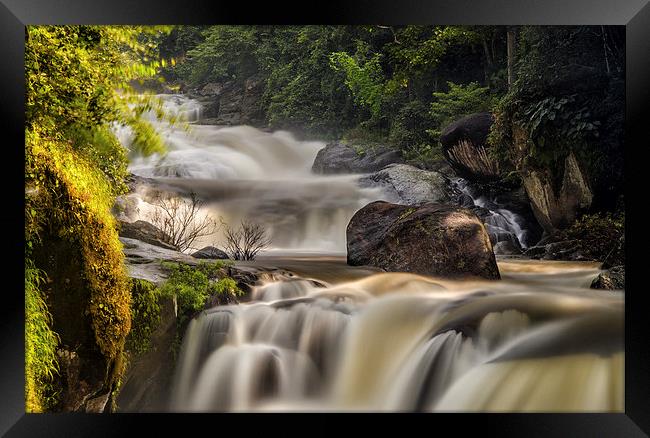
(319, 335)
(402, 342)
(506, 228)
(244, 173)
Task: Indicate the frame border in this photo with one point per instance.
(16, 14)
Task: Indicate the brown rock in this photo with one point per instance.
(431, 239)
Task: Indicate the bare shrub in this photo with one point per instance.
(180, 222)
(246, 241)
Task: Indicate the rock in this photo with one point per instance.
(430, 239)
(557, 210)
(210, 252)
(97, 404)
(146, 383)
(211, 89)
(440, 166)
(143, 259)
(340, 158)
(406, 184)
(556, 250)
(246, 277)
(464, 143)
(81, 381)
(232, 102)
(145, 232)
(612, 279)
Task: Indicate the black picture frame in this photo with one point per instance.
(16, 14)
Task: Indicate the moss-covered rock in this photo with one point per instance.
(72, 237)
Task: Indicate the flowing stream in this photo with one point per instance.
(243, 173)
(319, 335)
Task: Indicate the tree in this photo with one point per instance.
(245, 242)
(180, 220)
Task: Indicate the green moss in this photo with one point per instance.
(145, 315)
(70, 201)
(409, 211)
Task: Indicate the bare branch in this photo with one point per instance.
(245, 242)
(180, 222)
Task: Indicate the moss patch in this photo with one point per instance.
(71, 235)
(145, 315)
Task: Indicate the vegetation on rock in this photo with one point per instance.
(76, 91)
(145, 315)
(193, 286)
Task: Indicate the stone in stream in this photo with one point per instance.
(613, 278)
(210, 252)
(338, 157)
(406, 184)
(431, 239)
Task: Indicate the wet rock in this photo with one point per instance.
(231, 102)
(406, 184)
(210, 252)
(246, 278)
(430, 239)
(337, 157)
(611, 279)
(556, 250)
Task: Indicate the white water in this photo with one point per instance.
(244, 173)
(503, 226)
(402, 342)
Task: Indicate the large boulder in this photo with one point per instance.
(145, 232)
(464, 144)
(337, 157)
(431, 239)
(405, 184)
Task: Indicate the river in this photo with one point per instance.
(319, 335)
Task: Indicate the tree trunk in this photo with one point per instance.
(511, 56)
(488, 61)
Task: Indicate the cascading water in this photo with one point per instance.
(402, 342)
(321, 335)
(507, 229)
(244, 173)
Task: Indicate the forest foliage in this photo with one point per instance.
(336, 81)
